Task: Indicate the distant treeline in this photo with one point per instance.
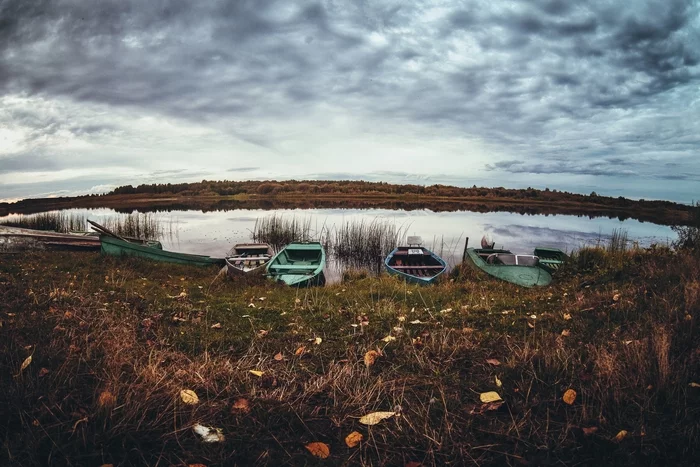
(348, 187)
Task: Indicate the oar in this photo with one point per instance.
(105, 231)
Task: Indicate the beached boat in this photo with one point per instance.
(522, 270)
(248, 258)
(299, 264)
(415, 263)
(117, 247)
(551, 259)
(14, 239)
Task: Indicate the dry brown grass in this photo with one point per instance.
(111, 355)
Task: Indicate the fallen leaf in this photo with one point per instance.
(416, 321)
(620, 436)
(25, 364)
(493, 361)
(530, 325)
(241, 404)
(112, 465)
(300, 351)
(279, 357)
(320, 450)
(353, 439)
(189, 397)
(216, 326)
(297, 301)
(401, 319)
(694, 385)
(209, 434)
(262, 299)
(43, 372)
(262, 333)
(376, 417)
(196, 465)
(318, 341)
(533, 316)
(567, 316)
(371, 357)
(389, 339)
(616, 297)
(590, 430)
(257, 373)
(507, 312)
(566, 333)
(106, 400)
(569, 396)
(251, 305)
(413, 464)
(499, 383)
(446, 310)
(491, 396)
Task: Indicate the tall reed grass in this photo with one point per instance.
(138, 225)
(55, 221)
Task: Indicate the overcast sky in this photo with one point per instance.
(582, 96)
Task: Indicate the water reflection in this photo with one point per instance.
(213, 233)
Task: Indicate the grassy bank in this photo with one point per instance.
(113, 342)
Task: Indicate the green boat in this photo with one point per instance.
(523, 270)
(551, 259)
(153, 250)
(299, 265)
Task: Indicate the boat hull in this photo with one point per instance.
(248, 259)
(116, 247)
(299, 265)
(438, 268)
(525, 276)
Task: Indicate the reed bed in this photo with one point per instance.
(138, 225)
(279, 231)
(55, 221)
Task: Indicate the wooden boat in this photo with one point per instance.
(299, 264)
(521, 270)
(414, 263)
(13, 239)
(117, 247)
(248, 258)
(551, 259)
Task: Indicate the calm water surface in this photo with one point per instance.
(213, 233)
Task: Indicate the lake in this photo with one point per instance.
(213, 233)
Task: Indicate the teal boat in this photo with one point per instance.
(551, 259)
(523, 270)
(299, 265)
(414, 263)
(153, 250)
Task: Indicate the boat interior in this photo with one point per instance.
(510, 259)
(415, 261)
(297, 261)
(250, 255)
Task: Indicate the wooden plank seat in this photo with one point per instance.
(292, 266)
(249, 258)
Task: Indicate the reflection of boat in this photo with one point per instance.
(248, 258)
(299, 264)
(550, 258)
(522, 270)
(415, 263)
(16, 239)
(118, 247)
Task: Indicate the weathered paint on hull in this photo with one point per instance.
(525, 276)
(299, 265)
(114, 246)
(410, 278)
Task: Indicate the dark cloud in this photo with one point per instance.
(243, 169)
(26, 162)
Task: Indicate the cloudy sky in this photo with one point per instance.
(581, 96)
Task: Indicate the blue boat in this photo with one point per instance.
(414, 263)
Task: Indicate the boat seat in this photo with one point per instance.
(292, 266)
(512, 260)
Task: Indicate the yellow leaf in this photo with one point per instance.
(620, 436)
(353, 439)
(416, 321)
(493, 361)
(590, 430)
(491, 396)
(376, 417)
(498, 382)
(567, 316)
(569, 396)
(189, 397)
(694, 385)
(566, 333)
(241, 404)
(25, 364)
(318, 341)
(320, 450)
(616, 297)
(371, 357)
(530, 325)
(389, 339)
(257, 373)
(216, 326)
